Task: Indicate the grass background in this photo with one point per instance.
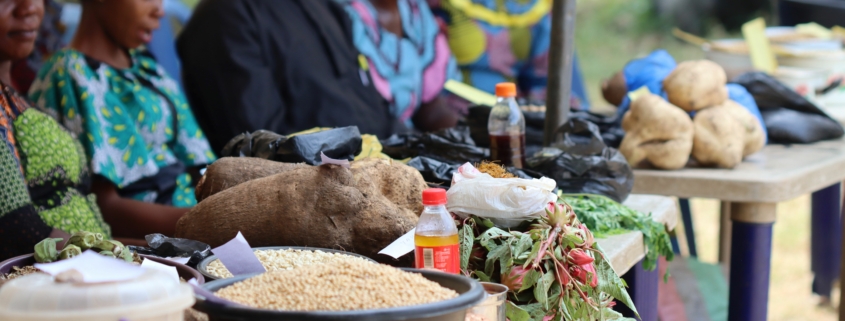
(611, 32)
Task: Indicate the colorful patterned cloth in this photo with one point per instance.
(503, 41)
(410, 70)
(125, 120)
(52, 164)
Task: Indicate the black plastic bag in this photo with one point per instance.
(789, 117)
(338, 143)
(583, 163)
(453, 146)
(610, 127)
(163, 246)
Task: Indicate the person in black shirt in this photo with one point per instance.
(278, 65)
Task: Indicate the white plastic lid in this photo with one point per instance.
(38, 297)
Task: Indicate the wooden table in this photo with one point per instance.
(775, 174)
(626, 252)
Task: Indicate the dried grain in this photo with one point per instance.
(285, 259)
(336, 286)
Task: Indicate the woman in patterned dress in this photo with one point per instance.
(408, 59)
(44, 177)
(135, 124)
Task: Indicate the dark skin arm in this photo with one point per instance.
(435, 115)
(131, 219)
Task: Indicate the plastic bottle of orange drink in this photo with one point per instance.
(436, 237)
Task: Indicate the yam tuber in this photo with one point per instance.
(755, 139)
(230, 171)
(656, 132)
(361, 210)
(695, 85)
(719, 138)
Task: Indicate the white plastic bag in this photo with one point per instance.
(505, 201)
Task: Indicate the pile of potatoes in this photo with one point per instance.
(661, 134)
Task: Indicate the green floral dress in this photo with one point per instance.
(125, 120)
(41, 154)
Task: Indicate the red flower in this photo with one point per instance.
(579, 257)
(513, 279)
(583, 271)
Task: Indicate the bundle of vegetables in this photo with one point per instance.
(605, 216)
(552, 266)
(47, 250)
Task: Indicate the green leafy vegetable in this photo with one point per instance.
(604, 216)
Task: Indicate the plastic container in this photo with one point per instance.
(154, 296)
(470, 293)
(506, 127)
(436, 238)
(202, 267)
(803, 81)
(493, 306)
(185, 272)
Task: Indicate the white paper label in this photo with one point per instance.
(237, 256)
(153, 265)
(94, 268)
(403, 245)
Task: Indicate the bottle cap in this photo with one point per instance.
(434, 196)
(506, 89)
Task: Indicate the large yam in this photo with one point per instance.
(755, 139)
(230, 171)
(694, 85)
(657, 134)
(719, 138)
(319, 206)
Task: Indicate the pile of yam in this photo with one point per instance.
(660, 133)
(361, 209)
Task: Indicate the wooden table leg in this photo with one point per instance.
(751, 254)
(725, 233)
(642, 286)
(825, 240)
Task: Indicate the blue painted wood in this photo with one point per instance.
(751, 253)
(689, 230)
(826, 239)
(642, 286)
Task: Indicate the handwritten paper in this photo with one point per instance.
(637, 93)
(403, 245)
(168, 269)
(94, 268)
(237, 256)
(328, 160)
(762, 55)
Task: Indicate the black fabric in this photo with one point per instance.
(277, 65)
(21, 229)
(789, 117)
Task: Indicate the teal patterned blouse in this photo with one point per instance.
(124, 119)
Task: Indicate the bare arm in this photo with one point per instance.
(131, 219)
(435, 115)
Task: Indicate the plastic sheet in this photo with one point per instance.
(583, 163)
(163, 246)
(453, 145)
(338, 143)
(789, 117)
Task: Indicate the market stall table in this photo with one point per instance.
(626, 252)
(777, 173)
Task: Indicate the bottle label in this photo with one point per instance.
(444, 258)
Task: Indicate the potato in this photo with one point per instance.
(657, 133)
(361, 210)
(694, 85)
(719, 138)
(755, 139)
(614, 89)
